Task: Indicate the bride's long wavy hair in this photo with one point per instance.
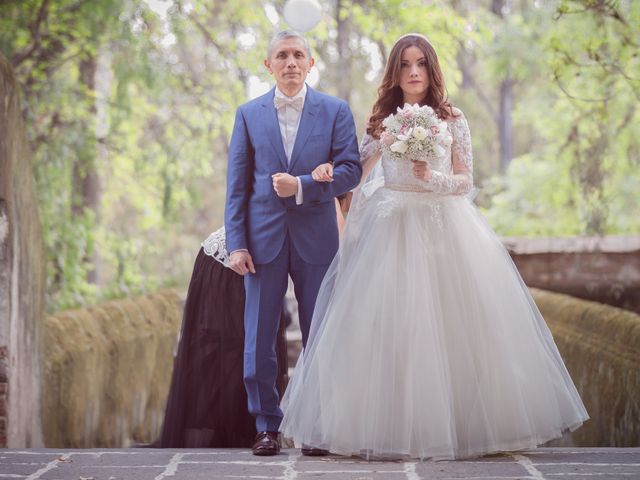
(390, 95)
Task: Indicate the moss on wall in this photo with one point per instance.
(107, 371)
(600, 345)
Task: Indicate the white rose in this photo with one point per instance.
(391, 123)
(399, 147)
(388, 121)
(420, 133)
(426, 109)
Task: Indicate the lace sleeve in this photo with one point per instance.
(370, 153)
(215, 246)
(460, 181)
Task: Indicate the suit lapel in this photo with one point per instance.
(272, 127)
(307, 121)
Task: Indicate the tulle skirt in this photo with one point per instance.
(207, 401)
(426, 343)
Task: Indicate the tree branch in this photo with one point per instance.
(482, 96)
(27, 52)
(205, 32)
(556, 77)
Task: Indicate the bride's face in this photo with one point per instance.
(414, 79)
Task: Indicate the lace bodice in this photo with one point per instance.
(215, 246)
(451, 174)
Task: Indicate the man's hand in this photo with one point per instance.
(241, 262)
(421, 170)
(284, 184)
(323, 173)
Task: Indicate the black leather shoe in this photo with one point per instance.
(266, 444)
(314, 452)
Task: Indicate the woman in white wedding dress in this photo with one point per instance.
(425, 342)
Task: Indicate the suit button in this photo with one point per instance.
(290, 209)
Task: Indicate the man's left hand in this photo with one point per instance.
(284, 184)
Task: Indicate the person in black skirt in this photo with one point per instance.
(207, 401)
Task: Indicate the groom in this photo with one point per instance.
(278, 220)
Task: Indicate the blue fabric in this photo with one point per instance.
(284, 238)
(264, 293)
(255, 217)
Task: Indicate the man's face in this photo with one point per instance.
(290, 64)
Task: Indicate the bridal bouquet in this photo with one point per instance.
(415, 133)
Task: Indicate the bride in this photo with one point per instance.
(425, 342)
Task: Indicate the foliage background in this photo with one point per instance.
(129, 106)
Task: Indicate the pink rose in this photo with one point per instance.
(434, 130)
(386, 138)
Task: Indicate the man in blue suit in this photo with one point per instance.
(279, 221)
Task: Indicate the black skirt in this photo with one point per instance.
(207, 402)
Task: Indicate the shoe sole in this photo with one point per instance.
(315, 454)
(265, 454)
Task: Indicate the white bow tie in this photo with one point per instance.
(295, 102)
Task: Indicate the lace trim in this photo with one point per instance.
(457, 184)
(215, 246)
(461, 146)
(405, 188)
(369, 147)
(391, 203)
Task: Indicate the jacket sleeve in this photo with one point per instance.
(239, 175)
(346, 161)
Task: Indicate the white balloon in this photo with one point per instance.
(302, 15)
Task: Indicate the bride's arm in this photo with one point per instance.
(461, 181)
(370, 154)
(339, 217)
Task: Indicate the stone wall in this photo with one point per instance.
(602, 269)
(601, 349)
(22, 277)
(107, 371)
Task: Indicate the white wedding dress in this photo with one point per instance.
(425, 342)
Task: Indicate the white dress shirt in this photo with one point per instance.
(289, 121)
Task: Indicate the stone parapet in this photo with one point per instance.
(600, 346)
(602, 269)
(107, 371)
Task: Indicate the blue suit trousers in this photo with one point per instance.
(265, 292)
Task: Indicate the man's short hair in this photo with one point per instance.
(287, 34)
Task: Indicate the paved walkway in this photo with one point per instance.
(152, 464)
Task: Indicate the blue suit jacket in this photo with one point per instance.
(255, 217)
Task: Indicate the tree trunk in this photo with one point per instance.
(86, 179)
(504, 120)
(22, 277)
(505, 125)
(343, 69)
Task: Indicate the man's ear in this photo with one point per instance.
(267, 64)
(312, 62)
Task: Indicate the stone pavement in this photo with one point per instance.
(156, 464)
